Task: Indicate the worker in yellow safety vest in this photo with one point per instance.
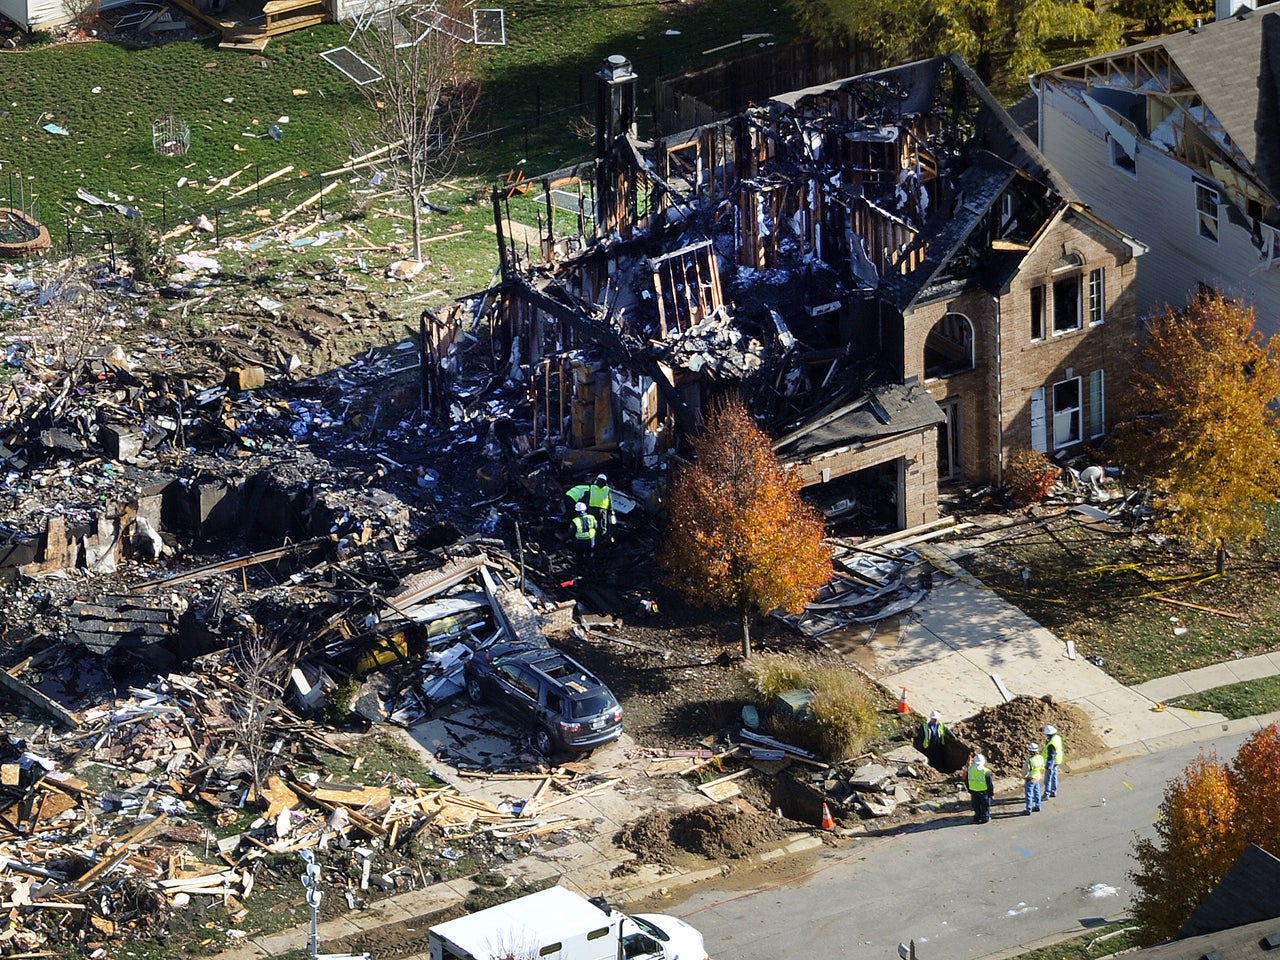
(981, 788)
(584, 529)
(1053, 757)
(600, 503)
(574, 496)
(1033, 777)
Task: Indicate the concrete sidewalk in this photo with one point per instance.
(949, 650)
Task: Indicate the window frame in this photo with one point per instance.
(1205, 217)
(1055, 412)
(1097, 296)
(1077, 280)
(1097, 404)
(1037, 312)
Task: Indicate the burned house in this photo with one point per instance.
(884, 267)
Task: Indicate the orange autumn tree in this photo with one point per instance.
(739, 535)
(1193, 849)
(1198, 426)
(1210, 815)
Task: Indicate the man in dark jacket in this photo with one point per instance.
(981, 788)
(933, 740)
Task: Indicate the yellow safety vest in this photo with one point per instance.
(1055, 747)
(600, 497)
(1035, 767)
(584, 527)
(977, 779)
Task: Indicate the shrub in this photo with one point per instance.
(1031, 476)
(842, 711)
(138, 245)
(772, 674)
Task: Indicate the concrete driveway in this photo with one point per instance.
(950, 650)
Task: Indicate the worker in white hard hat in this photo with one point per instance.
(1033, 777)
(981, 788)
(600, 502)
(933, 739)
(584, 529)
(1053, 757)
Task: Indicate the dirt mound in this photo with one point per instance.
(1002, 733)
(716, 833)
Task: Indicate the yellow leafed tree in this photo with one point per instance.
(1199, 427)
(739, 535)
(1209, 817)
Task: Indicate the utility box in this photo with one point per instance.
(795, 704)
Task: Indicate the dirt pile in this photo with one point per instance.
(715, 832)
(1002, 732)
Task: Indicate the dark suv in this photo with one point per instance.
(568, 707)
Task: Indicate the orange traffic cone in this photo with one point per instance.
(902, 702)
(827, 822)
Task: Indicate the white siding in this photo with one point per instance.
(1157, 206)
(34, 14)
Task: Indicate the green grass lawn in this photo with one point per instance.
(1124, 597)
(537, 86)
(1250, 698)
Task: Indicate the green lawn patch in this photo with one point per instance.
(1103, 941)
(1249, 698)
(1110, 590)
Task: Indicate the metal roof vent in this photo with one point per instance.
(1271, 942)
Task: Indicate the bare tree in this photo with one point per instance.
(72, 315)
(423, 99)
(261, 681)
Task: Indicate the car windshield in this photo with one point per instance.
(591, 705)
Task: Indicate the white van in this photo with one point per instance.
(558, 924)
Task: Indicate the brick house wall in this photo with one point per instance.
(994, 400)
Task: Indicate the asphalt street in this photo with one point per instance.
(962, 891)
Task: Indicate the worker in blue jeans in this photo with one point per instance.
(1033, 777)
(1053, 757)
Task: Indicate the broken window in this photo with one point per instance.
(1122, 158)
(1097, 296)
(1066, 295)
(1037, 312)
(1207, 211)
(948, 349)
(1066, 413)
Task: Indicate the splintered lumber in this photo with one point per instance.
(308, 202)
(355, 162)
(526, 811)
(122, 852)
(371, 827)
(351, 795)
(38, 699)
(267, 179)
(1195, 606)
(579, 794)
(226, 181)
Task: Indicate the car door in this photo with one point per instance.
(519, 690)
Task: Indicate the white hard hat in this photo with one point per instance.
(980, 761)
(580, 507)
(935, 715)
(602, 478)
(1050, 730)
(1033, 748)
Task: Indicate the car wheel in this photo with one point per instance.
(542, 740)
(474, 691)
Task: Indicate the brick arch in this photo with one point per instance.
(949, 347)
